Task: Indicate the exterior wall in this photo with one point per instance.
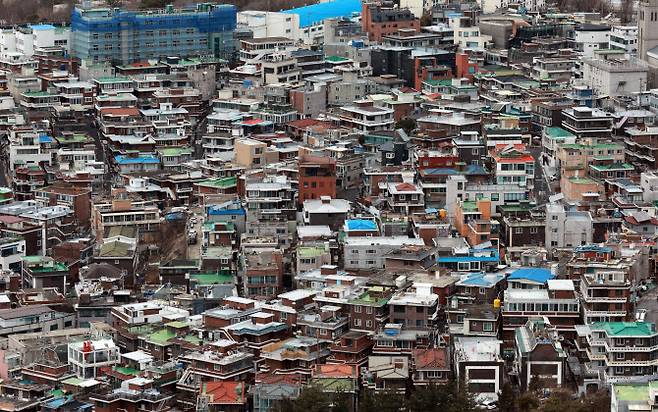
(207, 30)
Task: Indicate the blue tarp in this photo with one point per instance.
(538, 275)
(316, 13)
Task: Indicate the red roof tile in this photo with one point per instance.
(430, 358)
(120, 111)
(224, 392)
(406, 187)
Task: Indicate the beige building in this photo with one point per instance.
(573, 158)
(647, 36)
(253, 153)
(576, 189)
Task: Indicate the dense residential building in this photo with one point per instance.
(99, 35)
(208, 210)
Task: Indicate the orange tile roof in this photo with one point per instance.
(224, 392)
(334, 371)
(430, 358)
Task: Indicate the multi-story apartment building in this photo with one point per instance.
(540, 296)
(88, 357)
(369, 252)
(365, 117)
(605, 290)
(124, 211)
(115, 35)
(620, 351)
(624, 38)
(414, 309)
(587, 122)
(514, 165)
(553, 70)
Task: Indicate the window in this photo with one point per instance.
(487, 327)
(357, 322)
(357, 309)
(518, 230)
(483, 291)
(390, 155)
(368, 324)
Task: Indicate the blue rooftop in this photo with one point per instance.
(538, 275)
(37, 27)
(218, 211)
(316, 13)
(123, 160)
(480, 279)
(593, 248)
(469, 170)
(44, 138)
(361, 224)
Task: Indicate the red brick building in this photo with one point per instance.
(317, 177)
(380, 21)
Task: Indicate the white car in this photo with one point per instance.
(488, 405)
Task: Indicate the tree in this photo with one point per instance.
(527, 402)
(426, 18)
(312, 399)
(406, 124)
(387, 401)
(507, 399)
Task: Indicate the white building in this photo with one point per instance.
(615, 76)
(649, 184)
(25, 149)
(89, 356)
(624, 38)
(590, 37)
(270, 24)
(25, 40)
(370, 252)
(147, 312)
(466, 35)
(567, 228)
(365, 117)
(12, 251)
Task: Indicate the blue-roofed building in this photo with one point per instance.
(361, 227)
(474, 260)
(228, 212)
(311, 17)
(140, 163)
(529, 278)
(480, 287)
(316, 13)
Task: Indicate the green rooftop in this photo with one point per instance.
(113, 79)
(126, 371)
(620, 329)
(212, 278)
(369, 298)
(176, 324)
(336, 59)
(613, 166)
(581, 180)
(558, 132)
(73, 138)
(193, 339)
(221, 182)
(310, 251)
(38, 94)
(175, 151)
(470, 206)
(634, 392)
(161, 337)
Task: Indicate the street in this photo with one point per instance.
(648, 301)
